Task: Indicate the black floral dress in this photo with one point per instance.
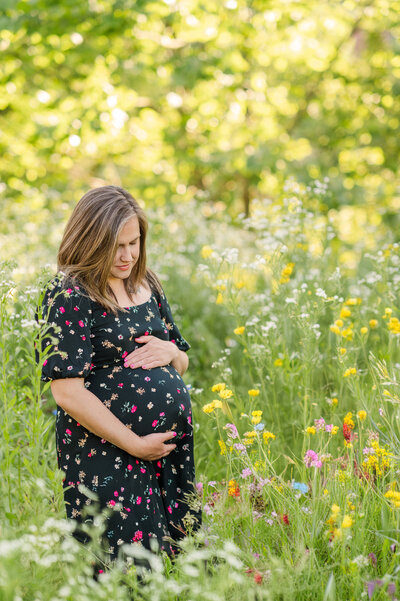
(147, 499)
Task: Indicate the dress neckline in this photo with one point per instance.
(140, 304)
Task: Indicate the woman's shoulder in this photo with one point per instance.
(65, 288)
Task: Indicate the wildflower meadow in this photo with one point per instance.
(261, 139)
(296, 399)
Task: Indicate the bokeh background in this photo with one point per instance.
(216, 103)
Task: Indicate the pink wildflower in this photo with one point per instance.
(311, 459)
(231, 431)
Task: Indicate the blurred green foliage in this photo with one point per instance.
(179, 100)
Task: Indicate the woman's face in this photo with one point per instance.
(128, 250)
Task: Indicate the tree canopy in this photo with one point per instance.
(182, 99)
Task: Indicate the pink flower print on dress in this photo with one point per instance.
(147, 379)
(169, 508)
(155, 422)
(80, 322)
(115, 493)
(130, 467)
(62, 310)
(138, 500)
(76, 308)
(138, 536)
(69, 290)
(44, 362)
(68, 431)
(133, 409)
(120, 385)
(112, 502)
(143, 470)
(124, 354)
(162, 413)
(67, 323)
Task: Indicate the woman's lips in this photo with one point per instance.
(123, 267)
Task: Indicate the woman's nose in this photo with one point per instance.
(125, 254)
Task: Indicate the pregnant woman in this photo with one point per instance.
(124, 423)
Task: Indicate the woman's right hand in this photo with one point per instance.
(152, 446)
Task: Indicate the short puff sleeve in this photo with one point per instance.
(166, 314)
(68, 308)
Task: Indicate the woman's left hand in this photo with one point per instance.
(154, 353)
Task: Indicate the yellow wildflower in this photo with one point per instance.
(388, 312)
(351, 371)
(256, 417)
(353, 301)
(311, 430)
(335, 430)
(347, 522)
(334, 329)
(239, 330)
(218, 387)
(248, 441)
(226, 393)
(394, 325)
(233, 488)
(286, 273)
(253, 392)
(220, 287)
(337, 533)
(339, 323)
(361, 415)
(334, 401)
(267, 436)
(364, 330)
(326, 492)
(342, 351)
(209, 408)
(347, 333)
(278, 362)
(344, 313)
(222, 447)
(251, 434)
(378, 462)
(220, 299)
(373, 323)
(217, 404)
(206, 252)
(348, 419)
(394, 497)
(239, 284)
(335, 509)
(386, 392)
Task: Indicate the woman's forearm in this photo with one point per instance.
(88, 410)
(180, 362)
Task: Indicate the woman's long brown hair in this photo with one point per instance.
(90, 242)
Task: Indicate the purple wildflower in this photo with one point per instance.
(246, 472)
(240, 447)
(371, 586)
(319, 423)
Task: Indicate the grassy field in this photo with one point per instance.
(293, 317)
